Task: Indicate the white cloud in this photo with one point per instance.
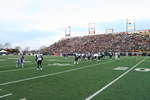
(37, 42)
(50, 15)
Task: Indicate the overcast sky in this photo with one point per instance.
(37, 23)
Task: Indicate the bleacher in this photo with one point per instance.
(103, 42)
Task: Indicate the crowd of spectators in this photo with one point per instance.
(103, 42)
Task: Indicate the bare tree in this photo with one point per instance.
(1, 46)
(7, 45)
(18, 47)
(26, 50)
(42, 47)
(44, 50)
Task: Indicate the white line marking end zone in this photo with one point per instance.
(109, 84)
(6, 95)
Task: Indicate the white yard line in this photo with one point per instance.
(51, 74)
(12, 70)
(115, 80)
(15, 65)
(12, 58)
(2, 59)
(23, 99)
(17, 69)
(59, 64)
(58, 59)
(6, 95)
(5, 65)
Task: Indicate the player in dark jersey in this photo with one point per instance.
(110, 55)
(39, 59)
(99, 56)
(76, 58)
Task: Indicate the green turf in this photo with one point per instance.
(77, 82)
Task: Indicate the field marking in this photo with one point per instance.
(0, 89)
(2, 59)
(6, 65)
(59, 64)
(121, 68)
(51, 74)
(27, 61)
(12, 70)
(142, 69)
(14, 63)
(23, 99)
(17, 69)
(109, 84)
(6, 95)
(12, 58)
(61, 60)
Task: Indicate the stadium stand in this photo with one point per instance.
(103, 42)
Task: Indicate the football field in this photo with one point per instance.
(60, 79)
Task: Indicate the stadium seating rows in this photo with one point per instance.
(103, 42)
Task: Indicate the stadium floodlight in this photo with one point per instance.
(109, 31)
(68, 32)
(130, 25)
(91, 28)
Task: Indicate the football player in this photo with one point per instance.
(39, 59)
(20, 61)
(76, 58)
(117, 56)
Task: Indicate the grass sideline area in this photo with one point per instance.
(74, 81)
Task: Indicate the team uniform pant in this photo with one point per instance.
(39, 64)
(76, 60)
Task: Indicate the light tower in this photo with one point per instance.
(91, 28)
(130, 25)
(109, 31)
(68, 32)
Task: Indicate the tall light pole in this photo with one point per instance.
(91, 28)
(130, 25)
(68, 32)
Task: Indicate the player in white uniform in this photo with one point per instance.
(117, 56)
